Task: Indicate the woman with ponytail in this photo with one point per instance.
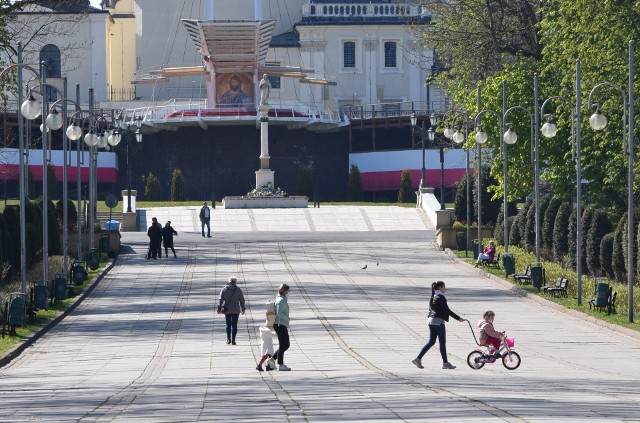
(439, 313)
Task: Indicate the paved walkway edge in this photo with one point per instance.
(38, 333)
(547, 303)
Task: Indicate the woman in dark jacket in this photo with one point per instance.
(167, 238)
(233, 301)
(439, 313)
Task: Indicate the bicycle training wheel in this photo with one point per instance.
(511, 360)
(473, 360)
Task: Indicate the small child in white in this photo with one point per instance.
(266, 339)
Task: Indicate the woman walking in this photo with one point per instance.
(439, 313)
(280, 326)
(167, 238)
(231, 304)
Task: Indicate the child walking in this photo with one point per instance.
(266, 339)
(488, 335)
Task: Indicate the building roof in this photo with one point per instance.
(287, 39)
(363, 12)
(60, 6)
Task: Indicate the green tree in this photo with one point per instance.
(354, 184)
(530, 229)
(515, 233)
(177, 185)
(549, 221)
(490, 204)
(72, 213)
(606, 254)
(54, 187)
(304, 182)
(406, 193)
(560, 244)
(572, 243)
(460, 202)
(153, 190)
(11, 217)
(598, 228)
(619, 264)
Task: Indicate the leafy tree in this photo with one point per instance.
(572, 239)
(599, 227)
(11, 217)
(498, 232)
(177, 185)
(406, 193)
(460, 202)
(530, 229)
(354, 184)
(72, 213)
(515, 234)
(606, 254)
(560, 232)
(54, 187)
(153, 190)
(587, 221)
(490, 204)
(304, 183)
(548, 222)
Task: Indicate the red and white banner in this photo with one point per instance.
(381, 170)
(107, 169)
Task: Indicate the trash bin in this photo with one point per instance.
(536, 276)
(602, 294)
(474, 248)
(40, 295)
(112, 225)
(104, 243)
(509, 264)
(17, 309)
(78, 272)
(461, 241)
(60, 287)
(94, 259)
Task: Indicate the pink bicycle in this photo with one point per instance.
(479, 357)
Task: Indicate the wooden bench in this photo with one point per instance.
(525, 277)
(546, 289)
(560, 288)
(495, 263)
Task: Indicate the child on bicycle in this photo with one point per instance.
(488, 335)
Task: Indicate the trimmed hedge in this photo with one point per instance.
(529, 238)
(355, 191)
(460, 202)
(560, 241)
(619, 267)
(599, 226)
(406, 193)
(606, 254)
(549, 221)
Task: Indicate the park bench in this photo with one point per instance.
(525, 277)
(495, 263)
(562, 284)
(600, 304)
(546, 288)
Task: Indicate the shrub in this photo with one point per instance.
(54, 187)
(304, 184)
(11, 217)
(522, 222)
(153, 190)
(606, 254)
(560, 232)
(549, 221)
(625, 238)
(354, 184)
(490, 207)
(638, 247)
(572, 243)
(529, 238)
(177, 185)
(618, 263)
(54, 243)
(587, 222)
(599, 226)
(72, 213)
(498, 231)
(406, 193)
(515, 236)
(460, 202)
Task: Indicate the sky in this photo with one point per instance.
(95, 3)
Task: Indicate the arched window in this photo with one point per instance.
(50, 55)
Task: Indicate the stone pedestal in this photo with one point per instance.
(125, 200)
(129, 221)
(263, 177)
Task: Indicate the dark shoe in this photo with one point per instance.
(174, 256)
(233, 342)
(208, 236)
(203, 235)
(269, 368)
(259, 368)
(228, 341)
(155, 258)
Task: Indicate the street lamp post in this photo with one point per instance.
(459, 138)
(125, 127)
(598, 122)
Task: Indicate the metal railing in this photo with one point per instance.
(346, 10)
(393, 110)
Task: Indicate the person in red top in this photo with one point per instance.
(488, 335)
(488, 254)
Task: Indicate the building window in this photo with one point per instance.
(50, 55)
(349, 54)
(273, 80)
(390, 48)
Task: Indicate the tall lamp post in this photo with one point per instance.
(125, 129)
(423, 135)
(459, 138)
(31, 108)
(598, 122)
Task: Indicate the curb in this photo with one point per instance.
(38, 333)
(547, 303)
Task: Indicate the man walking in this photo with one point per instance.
(205, 218)
(155, 239)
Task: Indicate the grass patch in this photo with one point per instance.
(9, 342)
(553, 271)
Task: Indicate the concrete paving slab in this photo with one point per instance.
(146, 345)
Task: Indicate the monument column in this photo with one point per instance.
(264, 176)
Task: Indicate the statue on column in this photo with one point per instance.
(265, 90)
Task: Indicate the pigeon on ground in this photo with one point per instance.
(365, 267)
(377, 263)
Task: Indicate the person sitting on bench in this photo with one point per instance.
(487, 255)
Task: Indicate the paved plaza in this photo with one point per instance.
(146, 344)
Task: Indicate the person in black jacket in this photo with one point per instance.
(167, 238)
(155, 239)
(439, 313)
